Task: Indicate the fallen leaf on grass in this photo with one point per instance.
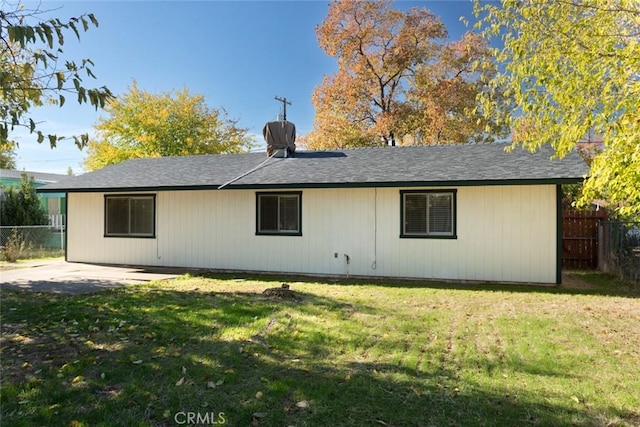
(302, 404)
(180, 382)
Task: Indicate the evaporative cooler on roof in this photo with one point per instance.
(280, 135)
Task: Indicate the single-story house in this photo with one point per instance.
(456, 212)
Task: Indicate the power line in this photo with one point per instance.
(284, 104)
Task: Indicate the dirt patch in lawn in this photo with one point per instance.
(283, 292)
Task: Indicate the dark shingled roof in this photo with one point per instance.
(383, 166)
(39, 177)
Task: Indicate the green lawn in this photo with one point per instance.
(345, 354)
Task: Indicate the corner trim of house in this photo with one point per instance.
(66, 225)
(558, 234)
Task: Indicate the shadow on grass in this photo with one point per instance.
(145, 356)
(70, 286)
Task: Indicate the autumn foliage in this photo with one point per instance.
(398, 79)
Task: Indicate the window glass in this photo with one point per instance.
(289, 213)
(130, 216)
(268, 212)
(117, 215)
(440, 213)
(141, 216)
(278, 213)
(428, 214)
(415, 213)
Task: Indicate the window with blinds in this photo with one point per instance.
(428, 213)
(279, 213)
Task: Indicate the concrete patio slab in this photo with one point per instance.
(59, 276)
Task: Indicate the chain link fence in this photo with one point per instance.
(36, 241)
(619, 245)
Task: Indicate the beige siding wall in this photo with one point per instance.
(85, 235)
(505, 233)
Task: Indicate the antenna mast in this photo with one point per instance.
(284, 104)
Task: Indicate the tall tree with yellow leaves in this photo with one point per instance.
(142, 124)
(573, 68)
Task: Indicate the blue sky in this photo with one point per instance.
(238, 54)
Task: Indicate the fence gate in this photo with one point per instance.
(580, 238)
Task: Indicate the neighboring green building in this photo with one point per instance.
(54, 203)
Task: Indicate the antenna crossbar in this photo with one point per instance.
(284, 105)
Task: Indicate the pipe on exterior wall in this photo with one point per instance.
(347, 258)
(374, 264)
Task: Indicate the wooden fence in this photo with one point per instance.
(580, 238)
